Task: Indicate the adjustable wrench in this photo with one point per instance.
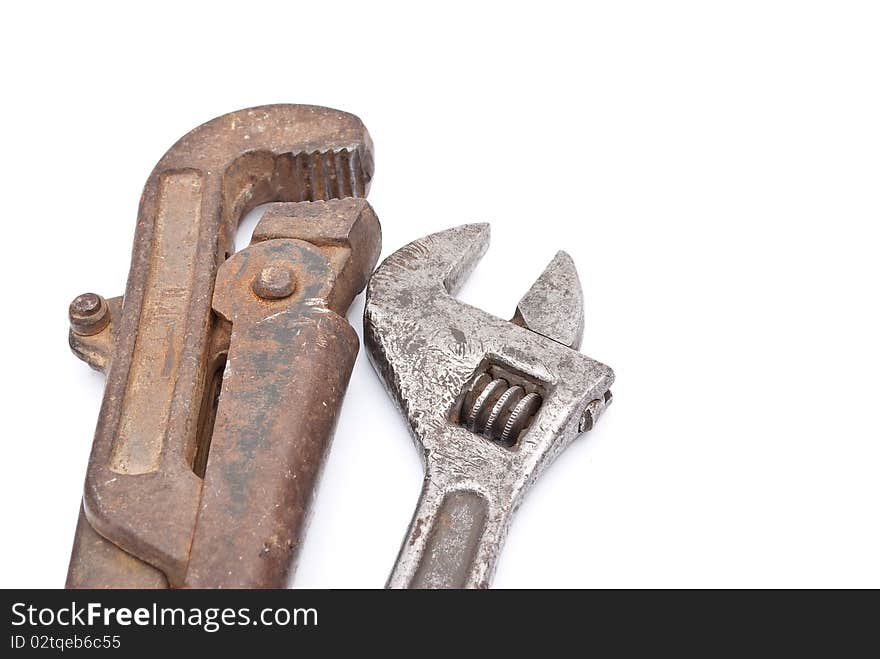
(225, 372)
(490, 402)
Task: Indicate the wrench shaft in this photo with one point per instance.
(453, 540)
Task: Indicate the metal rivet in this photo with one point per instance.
(89, 314)
(274, 282)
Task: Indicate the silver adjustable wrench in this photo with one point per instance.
(491, 402)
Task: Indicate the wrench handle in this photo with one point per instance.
(453, 540)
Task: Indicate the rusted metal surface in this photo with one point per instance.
(290, 358)
(98, 563)
(95, 349)
(152, 489)
(490, 402)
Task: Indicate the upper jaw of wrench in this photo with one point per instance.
(432, 352)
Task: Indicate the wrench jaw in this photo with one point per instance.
(554, 305)
(437, 264)
(418, 276)
(460, 375)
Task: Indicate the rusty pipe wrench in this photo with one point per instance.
(225, 371)
(490, 402)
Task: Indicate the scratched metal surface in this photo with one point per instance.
(426, 346)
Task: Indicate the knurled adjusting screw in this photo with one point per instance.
(89, 314)
(275, 281)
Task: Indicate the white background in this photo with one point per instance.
(712, 168)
